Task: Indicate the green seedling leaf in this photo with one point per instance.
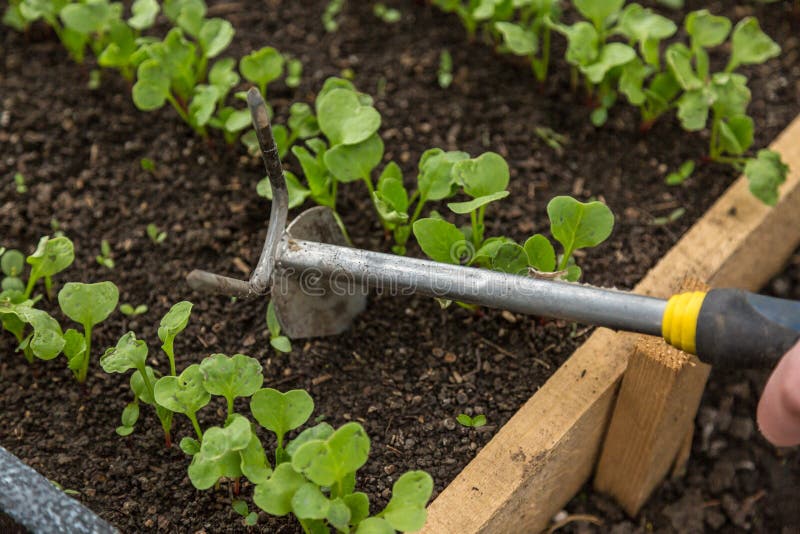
(130, 353)
(631, 81)
(354, 162)
(215, 36)
(510, 258)
(706, 30)
(766, 173)
(12, 263)
(90, 17)
(120, 50)
(730, 93)
(231, 377)
(141, 388)
(172, 324)
(281, 344)
(203, 104)
(578, 225)
(375, 525)
(736, 135)
(302, 121)
(297, 192)
(482, 176)
(281, 412)
(344, 119)
(474, 204)
(440, 240)
(518, 39)
(50, 257)
(130, 311)
(330, 461)
(750, 45)
(672, 217)
(152, 86)
(254, 463)
(74, 348)
(262, 67)
(682, 174)
(223, 76)
(275, 495)
(643, 25)
(219, 454)
(693, 107)
(46, 342)
(308, 502)
(339, 515)
(322, 431)
(540, 252)
(406, 510)
(294, 73)
(190, 446)
(240, 507)
(679, 60)
(144, 14)
(611, 55)
(600, 12)
(436, 180)
(488, 250)
(358, 503)
(88, 304)
(445, 73)
(129, 417)
(184, 393)
(340, 83)
(583, 42)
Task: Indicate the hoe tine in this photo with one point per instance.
(260, 279)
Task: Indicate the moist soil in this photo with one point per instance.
(407, 368)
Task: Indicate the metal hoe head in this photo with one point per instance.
(307, 303)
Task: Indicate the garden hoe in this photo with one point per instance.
(319, 284)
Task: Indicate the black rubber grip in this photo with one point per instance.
(738, 329)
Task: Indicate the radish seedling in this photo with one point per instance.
(281, 412)
(183, 394)
(19, 184)
(104, 258)
(87, 305)
(231, 377)
(278, 342)
(445, 74)
(173, 323)
(130, 311)
(530, 36)
(471, 422)
(155, 234)
(332, 10)
(52, 255)
(386, 14)
(724, 96)
(12, 264)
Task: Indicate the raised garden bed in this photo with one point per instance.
(407, 368)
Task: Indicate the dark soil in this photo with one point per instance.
(406, 368)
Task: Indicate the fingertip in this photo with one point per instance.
(778, 412)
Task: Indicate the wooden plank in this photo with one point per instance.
(654, 412)
(655, 409)
(548, 449)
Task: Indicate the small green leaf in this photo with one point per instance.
(130, 353)
(406, 510)
(464, 420)
(275, 495)
(482, 176)
(152, 86)
(750, 45)
(330, 461)
(51, 257)
(281, 344)
(281, 412)
(254, 461)
(440, 240)
(474, 204)
(578, 225)
(184, 393)
(693, 107)
(12, 262)
(251, 519)
(215, 36)
(766, 173)
(190, 446)
(321, 431)
(175, 320)
(682, 174)
(130, 414)
(344, 119)
(354, 162)
(479, 421)
(707, 30)
(436, 180)
(540, 252)
(510, 258)
(240, 507)
(679, 60)
(518, 39)
(736, 134)
(272, 320)
(375, 525)
(611, 55)
(231, 377)
(262, 66)
(297, 192)
(144, 14)
(308, 502)
(88, 304)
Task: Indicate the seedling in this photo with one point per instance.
(19, 184)
(681, 175)
(332, 10)
(281, 412)
(231, 377)
(386, 14)
(12, 265)
(173, 323)
(674, 215)
(130, 311)
(531, 37)
(725, 96)
(294, 73)
(147, 164)
(445, 73)
(278, 342)
(104, 258)
(183, 394)
(156, 235)
(52, 255)
(551, 138)
(87, 305)
(471, 422)
(241, 508)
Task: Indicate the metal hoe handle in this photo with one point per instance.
(259, 281)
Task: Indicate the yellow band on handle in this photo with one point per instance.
(679, 325)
